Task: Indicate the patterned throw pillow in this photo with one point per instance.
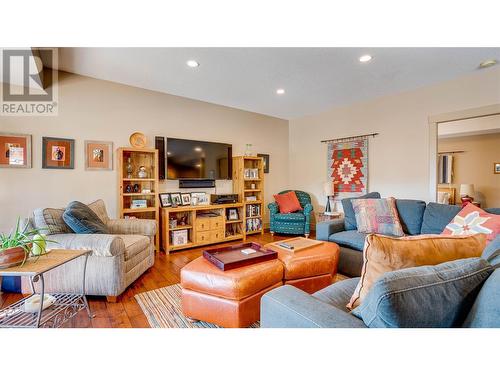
(50, 221)
(377, 216)
(471, 220)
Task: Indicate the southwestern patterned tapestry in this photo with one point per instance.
(348, 168)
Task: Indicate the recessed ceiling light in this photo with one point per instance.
(280, 91)
(488, 63)
(197, 149)
(365, 58)
(193, 63)
(169, 153)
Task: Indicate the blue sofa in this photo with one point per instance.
(416, 217)
(289, 307)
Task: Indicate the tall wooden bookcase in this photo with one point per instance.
(248, 183)
(149, 159)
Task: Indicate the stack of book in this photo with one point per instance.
(253, 224)
(253, 210)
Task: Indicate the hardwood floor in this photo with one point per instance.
(126, 313)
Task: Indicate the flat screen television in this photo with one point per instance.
(188, 159)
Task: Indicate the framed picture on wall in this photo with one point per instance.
(266, 161)
(15, 150)
(496, 168)
(98, 156)
(58, 153)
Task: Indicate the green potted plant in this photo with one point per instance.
(19, 244)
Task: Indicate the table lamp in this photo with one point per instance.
(329, 190)
(467, 193)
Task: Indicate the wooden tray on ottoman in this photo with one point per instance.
(230, 257)
(297, 244)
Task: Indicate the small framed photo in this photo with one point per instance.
(139, 203)
(232, 214)
(58, 153)
(186, 199)
(98, 156)
(176, 199)
(15, 150)
(200, 199)
(496, 168)
(165, 200)
(266, 161)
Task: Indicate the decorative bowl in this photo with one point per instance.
(138, 140)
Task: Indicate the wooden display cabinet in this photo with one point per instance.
(131, 187)
(205, 225)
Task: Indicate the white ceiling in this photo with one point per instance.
(315, 79)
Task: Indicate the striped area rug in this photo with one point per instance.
(162, 308)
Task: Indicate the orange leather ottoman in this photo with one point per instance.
(227, 298)
(311, 269)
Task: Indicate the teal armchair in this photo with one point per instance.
(296, 222)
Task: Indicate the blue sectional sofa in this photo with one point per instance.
(416, 217)
(289, 307)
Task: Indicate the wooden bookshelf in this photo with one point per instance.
(246, 186)
(149, 159)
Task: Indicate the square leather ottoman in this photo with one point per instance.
(227, 298)
(311, 269)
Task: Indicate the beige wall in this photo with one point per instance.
(399, 157)
(475, 165)
(91, 109)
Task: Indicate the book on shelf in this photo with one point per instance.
(253, 210)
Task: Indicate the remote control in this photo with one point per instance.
(286, 246)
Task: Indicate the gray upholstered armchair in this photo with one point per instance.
(293, 223)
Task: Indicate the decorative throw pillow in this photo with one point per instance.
(99, 208)
(377, 216)
(471, 219)
(288, 202)
(50, 221)
(385, 254)
(349, 217)
(425, 297)
(82, 220)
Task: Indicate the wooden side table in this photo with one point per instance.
(66, 305)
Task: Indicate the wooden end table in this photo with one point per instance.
(66, 305)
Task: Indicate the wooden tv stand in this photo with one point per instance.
(202, 229)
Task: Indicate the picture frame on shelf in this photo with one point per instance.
(165, 200)
(496, 168)
(200, 199)
(15, 150)
(186, 199)
(58, 153)
(176, 199)
(265, 158)
(251, 173)
(98, 156)
(232, 214)
(139, 203)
